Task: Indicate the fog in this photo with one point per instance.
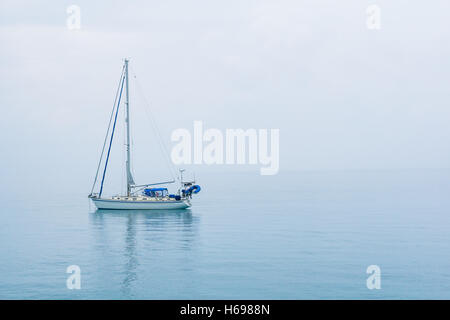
(344, 97)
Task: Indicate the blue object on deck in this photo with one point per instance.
(193, 189)
(156, 192)
(157, 189)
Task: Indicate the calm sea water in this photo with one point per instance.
(303, 235)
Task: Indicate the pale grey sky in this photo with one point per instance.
(343, 96)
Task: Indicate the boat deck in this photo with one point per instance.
(141, 198)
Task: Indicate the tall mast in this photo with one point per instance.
(130, 180)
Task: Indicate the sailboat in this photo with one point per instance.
(143, 196)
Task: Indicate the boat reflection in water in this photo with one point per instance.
(135, 241)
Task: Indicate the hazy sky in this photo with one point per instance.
(343, 96)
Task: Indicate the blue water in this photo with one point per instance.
(303, 235)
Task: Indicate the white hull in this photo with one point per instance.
(140, 205)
